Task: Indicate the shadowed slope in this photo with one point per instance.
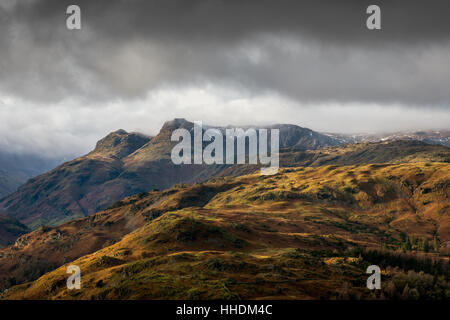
(48, 247)
(10, 229)
(76, 188)
(17, 168)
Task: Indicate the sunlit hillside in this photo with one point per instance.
(305, 233)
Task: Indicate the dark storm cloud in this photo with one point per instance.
(221, 20)
(307, 50)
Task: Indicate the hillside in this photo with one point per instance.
(290, 235)
(122, 164)
(395, 151)
(16, 169)
(392, 151)
(10, 230)
(8, 183)
(76, 188)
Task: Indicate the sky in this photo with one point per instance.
(136, 64)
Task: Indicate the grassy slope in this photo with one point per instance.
(282, 236)
(46, 248)
(400, 151)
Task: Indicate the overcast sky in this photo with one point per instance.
(135, 64)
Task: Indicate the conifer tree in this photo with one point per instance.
(426, 245)
(435, 244)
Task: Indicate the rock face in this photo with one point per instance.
(122, 164)
(119, 144)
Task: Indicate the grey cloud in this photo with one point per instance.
(342, 21)
(307, 50)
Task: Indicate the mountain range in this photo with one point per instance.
(141, 227)
(441, 137)
(122, 164)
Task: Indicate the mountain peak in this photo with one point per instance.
(120, 132)
(177, 123)
(119, 144)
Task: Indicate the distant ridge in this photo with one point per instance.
(437, 137)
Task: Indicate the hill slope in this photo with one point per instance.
(8, 183)
(76, 188)
(396, 151)
(392, 151)
(16, 169)
(10, 230)
(282, 236)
